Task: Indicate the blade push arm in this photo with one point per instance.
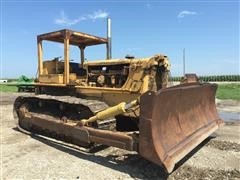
(110, 112)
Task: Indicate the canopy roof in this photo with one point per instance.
(75, 38)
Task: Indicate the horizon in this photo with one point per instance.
(209, 32)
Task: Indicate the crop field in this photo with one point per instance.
(225, 91)
(216, 78)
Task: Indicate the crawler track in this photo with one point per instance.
(58, 108)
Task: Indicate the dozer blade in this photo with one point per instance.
(173, 121)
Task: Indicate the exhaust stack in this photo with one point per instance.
(109, 38)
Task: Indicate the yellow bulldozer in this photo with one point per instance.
(125, 103)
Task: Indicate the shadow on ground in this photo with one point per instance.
(132, 164)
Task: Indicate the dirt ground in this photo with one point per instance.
(37, 157)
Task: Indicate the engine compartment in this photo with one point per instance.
(108, 76)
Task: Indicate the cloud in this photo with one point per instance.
(182, 14)
(98, 15)
(65, 21)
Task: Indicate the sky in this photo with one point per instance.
(208, 30)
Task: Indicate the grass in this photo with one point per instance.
(6, 88)
(225, 91)
(228, 91)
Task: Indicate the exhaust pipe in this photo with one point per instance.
(109, 38)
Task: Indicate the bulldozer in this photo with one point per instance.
(125, 103)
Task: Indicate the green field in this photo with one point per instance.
(228, 91)
(225, 91)
(6, 88)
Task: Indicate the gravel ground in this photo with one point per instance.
(37, 157)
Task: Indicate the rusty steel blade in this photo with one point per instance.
(173, 121)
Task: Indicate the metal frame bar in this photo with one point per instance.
(82, 56)
(40, 59)
(66, 58)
